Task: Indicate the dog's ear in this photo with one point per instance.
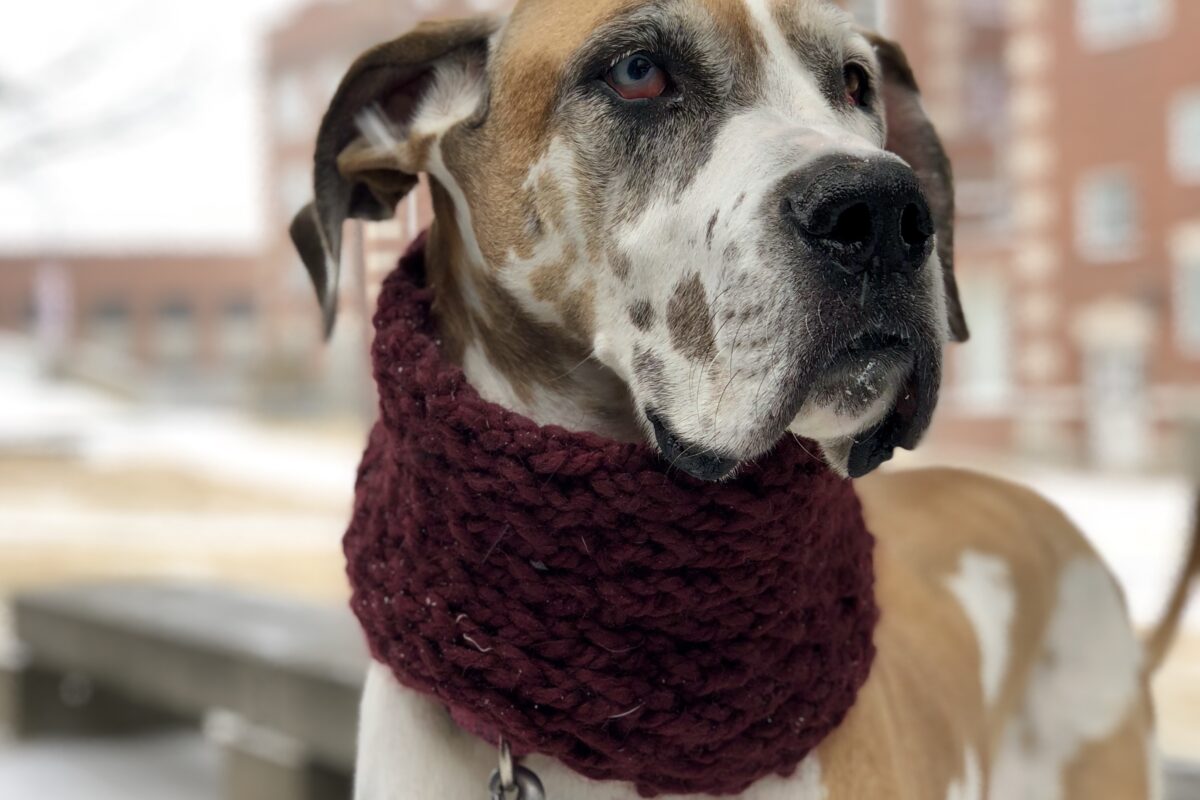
(376, 135)
(912, 137)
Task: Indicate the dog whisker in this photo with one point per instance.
(732, 371)
(566, 374)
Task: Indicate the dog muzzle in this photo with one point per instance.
(573, 596)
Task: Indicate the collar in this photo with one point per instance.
(571, 594)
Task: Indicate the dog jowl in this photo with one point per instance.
(709, 223)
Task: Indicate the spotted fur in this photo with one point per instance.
(593, 262)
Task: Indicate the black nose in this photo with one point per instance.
(862, 214)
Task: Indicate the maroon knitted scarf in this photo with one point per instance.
(579, 598)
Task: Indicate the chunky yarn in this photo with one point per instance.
(579, 598)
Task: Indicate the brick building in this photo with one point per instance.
(1075, 132)
(178, 314)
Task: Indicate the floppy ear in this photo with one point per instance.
(912, 137)
(376, 134)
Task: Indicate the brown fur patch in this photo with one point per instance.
(620, 263)
(739, 27)
(1113, 768)
(579, 309)
(649, 371)
(549, 280)
(414, 155)
(925, 679)
(712, 227)
(528, 353)
(689, 320)
(641, 314)
(535, 227)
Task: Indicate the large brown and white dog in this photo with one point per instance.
(710, 223)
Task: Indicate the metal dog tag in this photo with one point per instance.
(525, 786)
(513, 782)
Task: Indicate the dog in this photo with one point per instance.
(708, 224)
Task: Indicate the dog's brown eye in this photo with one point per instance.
(637, 77)
(855, 78)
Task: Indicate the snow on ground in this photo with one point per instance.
(225, 447)
(178, 767)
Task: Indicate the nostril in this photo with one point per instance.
(913, 228)
(853, 226)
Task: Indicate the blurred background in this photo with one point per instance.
(169, 412)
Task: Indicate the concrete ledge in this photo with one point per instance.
(285, 666)
(36, 702)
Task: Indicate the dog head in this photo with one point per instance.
(737, 207)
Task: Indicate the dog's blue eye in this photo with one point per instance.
(637, 77)
(636, 69)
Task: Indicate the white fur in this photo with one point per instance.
(825, 423)
(719, 404)
(970, 787)
(1155, 768)
(409, 749)
(1081, 690)
(983, 586)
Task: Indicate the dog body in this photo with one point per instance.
(712, 223)
(979, 689)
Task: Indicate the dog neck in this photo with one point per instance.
(577, 597)
(535, 368)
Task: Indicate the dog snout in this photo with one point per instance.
(860, 214)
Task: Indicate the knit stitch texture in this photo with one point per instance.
(578, 597)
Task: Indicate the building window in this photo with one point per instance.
(1113, 23)
(1187, 304)
(1185, 136)
(176, 334)
(987, 97)
(1106, 216)
(239, 333)
(1117, 408)
(110, 326)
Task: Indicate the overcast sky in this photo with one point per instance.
(132, 123)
